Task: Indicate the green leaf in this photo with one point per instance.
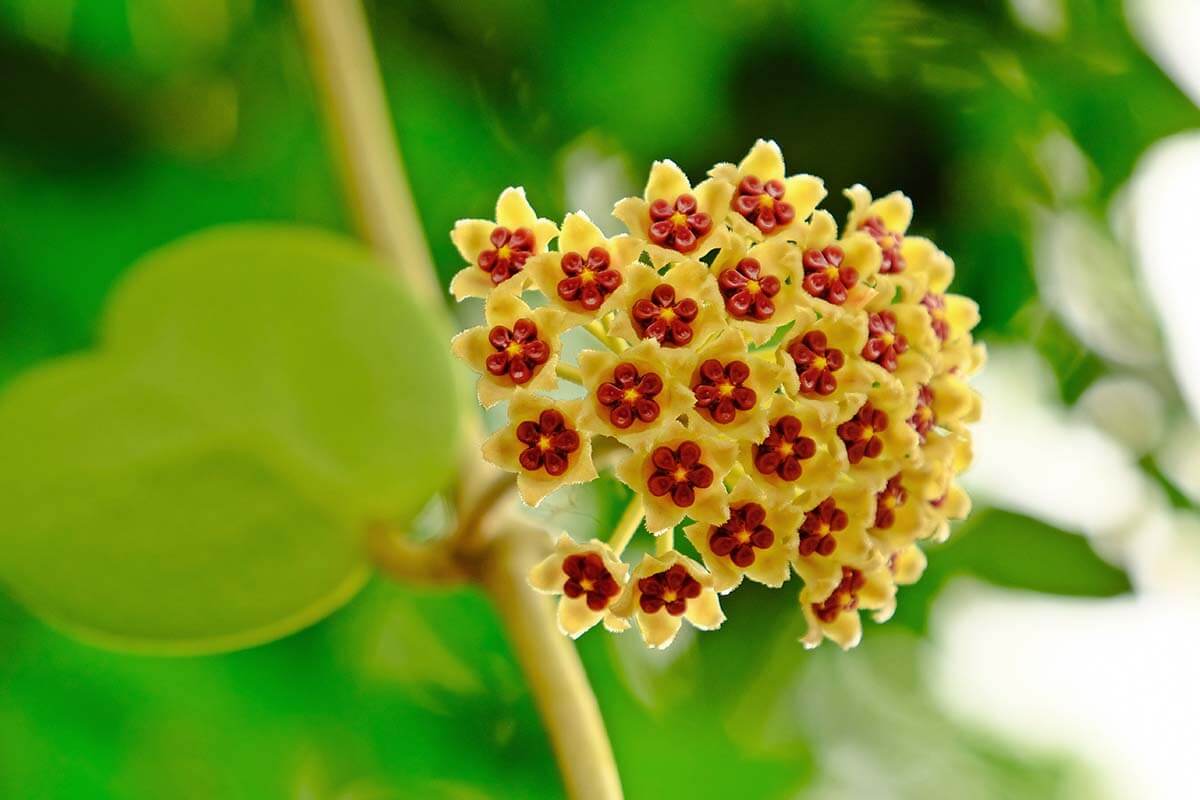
(203, 482)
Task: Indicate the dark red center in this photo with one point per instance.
(664, 318)
(670, 589)
(891, 497)
(936, 305)
(742, 534)
(629, 396)
(860, 433)
(588, 281)
(884, 346)
(816, 362)
(510, 250)
(819, 526)
(783, 449)
(678, 226)
(923, 419)
(679, 473)
(762, 203)
(844, 597)
(747, 291)
(519, 351)
(827, 276)
(587, 575)
(889, 243)
(549, 443)
(720, 390)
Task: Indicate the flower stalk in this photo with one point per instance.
(496, 553)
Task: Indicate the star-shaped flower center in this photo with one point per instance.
(664, 318)
(629, 396)
(719, 390)
(884, 346)
(844, 597)
(548, 442)
(889, 242)
(679, 472)
(670, 589)
(923, 419)
(861, 432)
(819, 526)
(782, 452)
(891, 497)
(587, 576)
(519, 352)
(589, 281)
(827, 276)
(816, 363)
(510, 250)
(742, 534)
(762, 204)
(748, 292)
(678, 226)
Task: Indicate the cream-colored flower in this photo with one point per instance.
(675, 219)
(634, 395)
(582, 277)
(731, 388)
(834, 275)
(589, 578)
(832, 534)
(680, 309)
(767, 203)
(680, 474)
(543, 445)
(835, 616)
(517, 349)
(665, 590)
(801, 456)
(758, 286)
(752, 542)
(498, 251)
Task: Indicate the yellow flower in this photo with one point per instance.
(831, 534)
(679, 309)
(765, 203)
(589, 577)
(962, 357)
(680, 473)
(836, 275)
(731, 388)
(900, 343)
(822, 360)
(752, 542)
(543, 444)
(517, 349)
(583, 276)
(758, 286)
(901, 513)
(878, 438)
(801, 456)
(634, 395)
(954, 504)
(835, 615)
(498, 251)
(663, 591)
(907, 565)
(886, 220)
(675, 219)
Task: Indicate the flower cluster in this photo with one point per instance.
(793, 395)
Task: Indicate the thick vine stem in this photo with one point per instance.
(560, 688)
(343, 62)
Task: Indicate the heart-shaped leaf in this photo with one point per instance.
(262, 394)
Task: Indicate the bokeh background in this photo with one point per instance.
(1052, 147)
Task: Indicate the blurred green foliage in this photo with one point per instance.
(128, 123)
